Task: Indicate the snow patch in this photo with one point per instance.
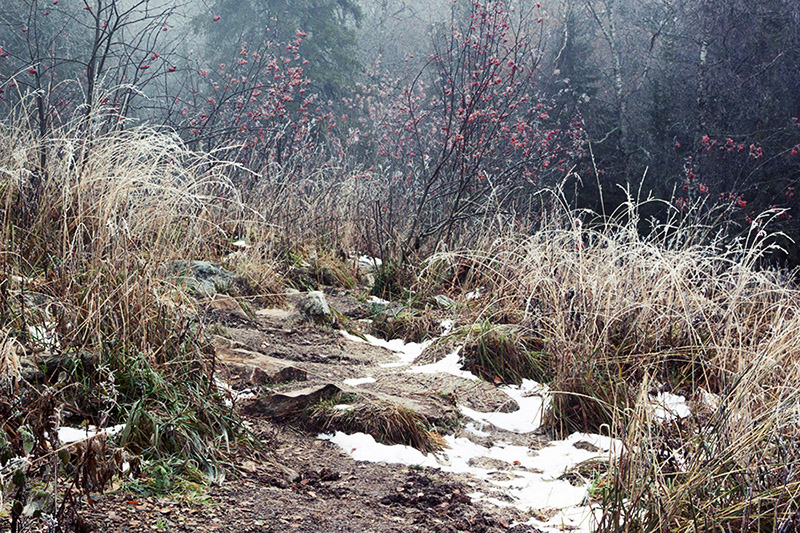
(362, 447)
(447, 326)
(448, 365)
(666, 407)
(530, 481)
(233, 394)
(406, 352)
(355, 382)
(475, 430)
(369, 262)
(472, 295)
(44, 335)
(530, 398)
(68, 435)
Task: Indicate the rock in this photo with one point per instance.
(367, 280)
(314, 306)
(349, 306)
(284, 405)
(38, 367)
(264, 373)
(229, 305)
(207, 279)
(253, 368)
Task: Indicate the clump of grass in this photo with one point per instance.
(733, 471)
(262, 273)
(410, 324)
(392, 280)
(504, 354)
(333, 269)
(387, 422)
(92, 224)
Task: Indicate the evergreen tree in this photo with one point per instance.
(326, 26)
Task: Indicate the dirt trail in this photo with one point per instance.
(309, 484)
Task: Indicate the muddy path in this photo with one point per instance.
(276, 365)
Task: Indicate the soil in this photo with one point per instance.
(303, 484)
(330, 493)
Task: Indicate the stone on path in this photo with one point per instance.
(314, 306)
(284, 405)
(254, 368)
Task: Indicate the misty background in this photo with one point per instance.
(454, 110)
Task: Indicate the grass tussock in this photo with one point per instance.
(504, 354)
(408, 323)
(387, 422)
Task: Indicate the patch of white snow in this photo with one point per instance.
(451, 364)
(530, 398)
(355, 382)
(472, 295)
(475, 430)
(407, 352)
(447, 326)
(370, 262)
(666, 407)
(68, 435)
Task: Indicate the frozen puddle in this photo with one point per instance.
(531, 480)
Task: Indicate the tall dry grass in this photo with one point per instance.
(90, 227)
(616, 317)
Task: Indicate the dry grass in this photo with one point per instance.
(504, 354)
(88, 234)
(605, 300)
(619, 315)
(599, 312)
(387, 422)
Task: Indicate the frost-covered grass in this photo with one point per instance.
(90, 225)
(622, 326)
